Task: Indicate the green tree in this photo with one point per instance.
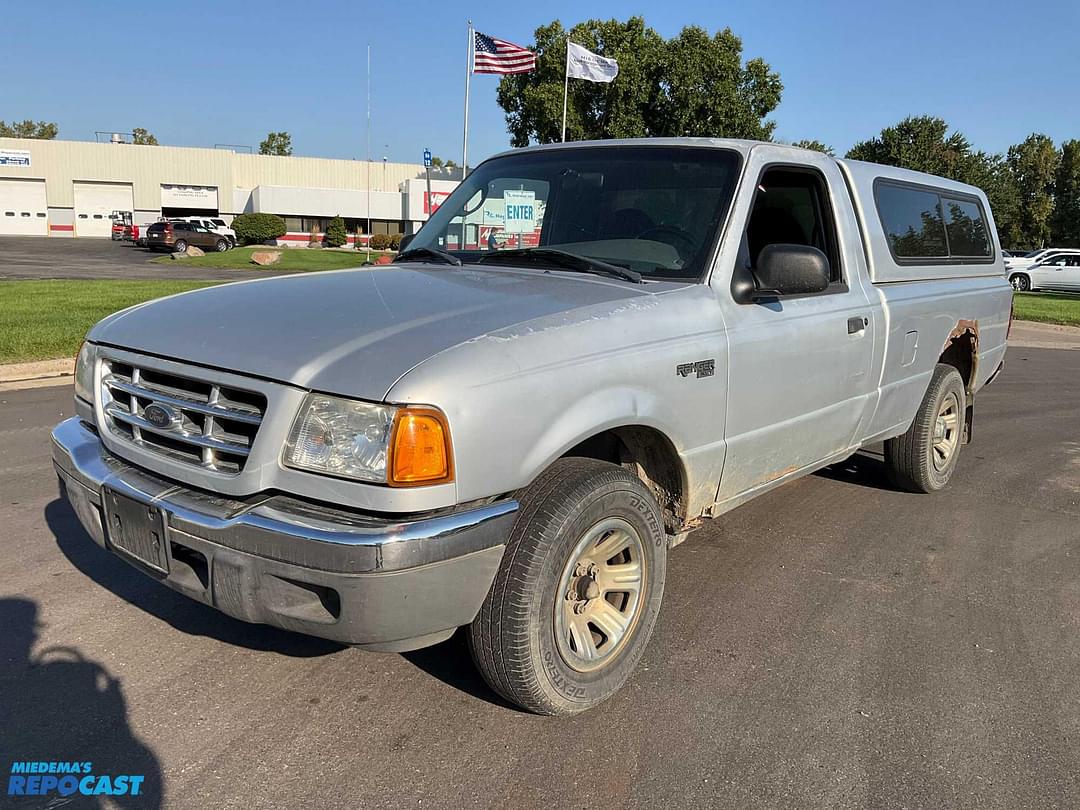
(43, 130)
(692, 84)
(1065, 225)
(922, 143)
(142, 137)
(925, 144)
(336, 235)
(276, 143)
(1034, 165)
(816, 145)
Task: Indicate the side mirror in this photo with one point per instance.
(790, 270)
(405, 240)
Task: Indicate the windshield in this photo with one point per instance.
(655, 210)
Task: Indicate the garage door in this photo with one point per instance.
(22, 208)
(94, 202)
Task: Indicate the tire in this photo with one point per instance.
(527, 639)
(180, 246)
(924, 458)
(221, 245)
(1021, 282)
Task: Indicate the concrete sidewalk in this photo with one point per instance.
(1031, 335)
(39, 373)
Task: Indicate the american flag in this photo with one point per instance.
(491, 55)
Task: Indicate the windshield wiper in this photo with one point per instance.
(563, 260)
(429, 253)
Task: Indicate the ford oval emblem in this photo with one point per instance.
(160, 416)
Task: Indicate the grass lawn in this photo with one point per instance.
(44, 320)
(1047, 308)
(295, 259)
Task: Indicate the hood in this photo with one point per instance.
(348, 332)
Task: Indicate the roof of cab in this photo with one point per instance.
(738, 145)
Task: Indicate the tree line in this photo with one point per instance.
(697, 84)
(1033, 187)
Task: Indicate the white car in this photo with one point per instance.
(1017, 260)
(1049, 269)
(215, 224)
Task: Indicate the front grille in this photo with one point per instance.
(208, 425)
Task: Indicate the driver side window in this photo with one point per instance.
(792, 207)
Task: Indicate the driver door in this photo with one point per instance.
(801, 370)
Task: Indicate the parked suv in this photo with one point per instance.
(215, 224)
(176, 236)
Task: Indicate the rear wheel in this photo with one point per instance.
(578, 590)
(180, 246)
(1021, 282)
(923, 459)
(221, 245)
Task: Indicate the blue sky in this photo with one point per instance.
(200, 73)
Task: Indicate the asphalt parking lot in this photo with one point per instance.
(30, 257)
(834, 643)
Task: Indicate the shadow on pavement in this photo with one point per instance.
(184, 614)
(57, 706)
(864, 469)
(451, 663)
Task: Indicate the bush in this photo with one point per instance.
(314, 238)
(395, 241)
(254, 229)
(380, 241)
(336, 235)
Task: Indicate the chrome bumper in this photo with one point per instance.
(374, 581)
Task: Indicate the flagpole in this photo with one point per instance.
(367, 171)
(566, 88)
(468, 81)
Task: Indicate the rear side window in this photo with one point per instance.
(965, 227)
(923, 224)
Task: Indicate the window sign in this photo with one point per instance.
(520, 214)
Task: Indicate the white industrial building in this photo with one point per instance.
(70, 188)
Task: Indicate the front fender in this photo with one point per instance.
(519, 399)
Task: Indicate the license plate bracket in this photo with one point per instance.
(136, 529)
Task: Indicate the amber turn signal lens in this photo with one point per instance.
(421, 448)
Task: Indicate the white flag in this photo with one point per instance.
(581, 63)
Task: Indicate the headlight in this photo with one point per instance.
(361, 440)
(84, 371)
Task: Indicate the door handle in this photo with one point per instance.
(857, 324)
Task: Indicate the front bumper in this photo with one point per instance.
(380, 582)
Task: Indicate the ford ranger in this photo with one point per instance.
(510, 434)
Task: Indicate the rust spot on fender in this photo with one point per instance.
(966, 329)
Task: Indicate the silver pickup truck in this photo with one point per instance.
(588, 350)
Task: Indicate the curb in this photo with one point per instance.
(37, 370)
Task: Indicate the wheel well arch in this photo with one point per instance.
(651, 456)
(961, 350)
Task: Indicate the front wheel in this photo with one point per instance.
(1021, 282)
(923, 459)
(578, 591)
(221, 245)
